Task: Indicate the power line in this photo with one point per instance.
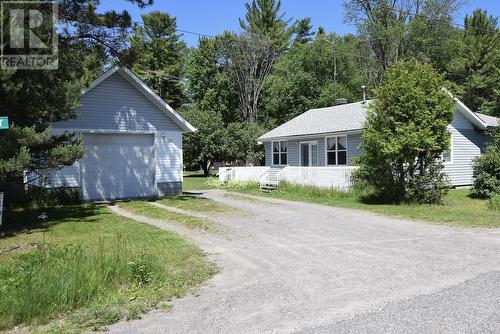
(456, 25)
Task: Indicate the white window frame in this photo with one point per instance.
(451, 152)
(309, 142)
(279, 152)
(336, 151)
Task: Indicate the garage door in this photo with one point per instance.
(117, 166)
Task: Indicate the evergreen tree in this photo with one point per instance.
(263, 18)
(477, 69)
(155, 54)
(33, 99)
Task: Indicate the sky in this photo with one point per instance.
(212, 17)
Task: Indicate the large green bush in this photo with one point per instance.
(406, 134)
(487, 171)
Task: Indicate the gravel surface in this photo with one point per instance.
(299, 267)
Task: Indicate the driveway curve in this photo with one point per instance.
(299, 267)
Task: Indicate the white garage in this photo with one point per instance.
(133, 141)
(118, 166)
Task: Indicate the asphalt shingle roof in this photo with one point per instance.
(345, 117)
(341, 118)
(489, 120)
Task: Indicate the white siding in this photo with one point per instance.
(66, 177)
(115, 104)
(168, 159)
(117, 166)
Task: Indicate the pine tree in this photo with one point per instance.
(155, 54)
(477, 69)
(33, 99)
(264, 19)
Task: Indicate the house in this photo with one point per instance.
(133, 141)
(319, 146)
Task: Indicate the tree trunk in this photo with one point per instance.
(205, 165)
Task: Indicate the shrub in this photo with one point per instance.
(487, 174)
(406, 134)
(494, 203)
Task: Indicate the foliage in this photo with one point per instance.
(205, 146)
(263, 19)
(487, 170)
(476, 69)
(406, 134)
(155, 54)
(98, 266)
(402, 28)
(303, 78)
(33, 99)
(212, 84)
(494, 203)
(241, 143)
(252, 58)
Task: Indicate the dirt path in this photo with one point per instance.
(303, 267)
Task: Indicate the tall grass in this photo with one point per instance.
(55, 279)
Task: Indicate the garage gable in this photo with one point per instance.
(119, 101)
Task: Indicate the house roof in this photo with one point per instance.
(351, 118)
(147, 92)
(489, 120)
(341, 118)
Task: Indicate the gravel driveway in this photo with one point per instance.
(298, 267)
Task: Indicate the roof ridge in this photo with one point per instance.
(341, 105)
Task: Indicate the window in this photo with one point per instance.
(280, 155)
(336, 150)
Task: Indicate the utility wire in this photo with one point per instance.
(456, 25)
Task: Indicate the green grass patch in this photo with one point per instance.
(458, 208)
(87, 268)
(197, 181)
(146, 209)
(195, 203)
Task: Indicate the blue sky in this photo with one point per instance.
(214, 16)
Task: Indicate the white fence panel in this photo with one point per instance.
(242, 173)
(325, 177)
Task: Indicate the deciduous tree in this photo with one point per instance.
(406, 133)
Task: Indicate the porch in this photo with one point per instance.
(336, 177)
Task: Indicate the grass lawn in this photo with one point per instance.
(458, 208)
(195, 203)
(87, 268)
(196, 181)
(146, 209)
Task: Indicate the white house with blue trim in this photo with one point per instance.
(318, 147)
(133, 141)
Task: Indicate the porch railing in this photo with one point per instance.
(326, 177)
(242, 173)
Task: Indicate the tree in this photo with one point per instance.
(405, 135)
(487, 169)
(477, 68)
(303, 31)
(263, 18)
(252, 59)
(212, 81)
(303, 78)
(155, 54)
(207, 145)
(33, 99)
(390, 32)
